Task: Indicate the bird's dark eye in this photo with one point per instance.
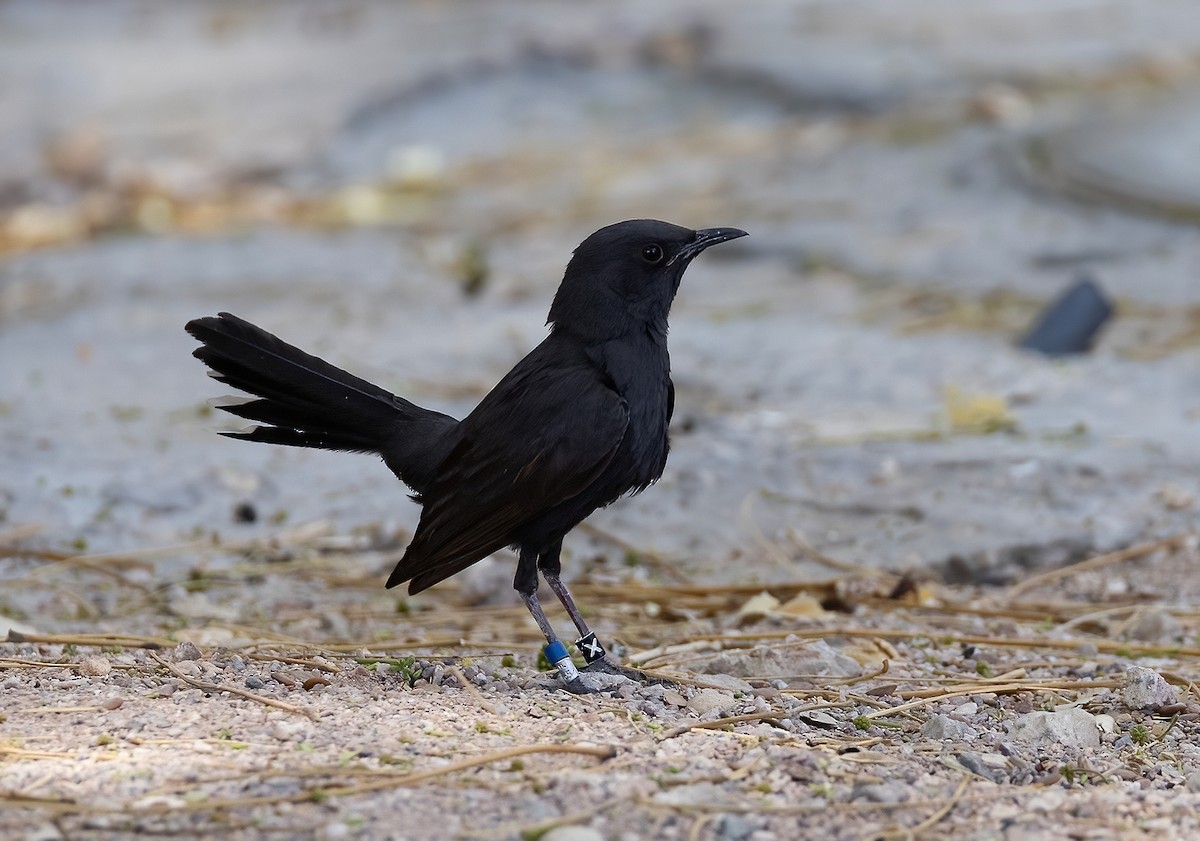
(652, 253)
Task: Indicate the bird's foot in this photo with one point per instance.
(600, 674)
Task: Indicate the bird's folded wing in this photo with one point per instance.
(547, 441)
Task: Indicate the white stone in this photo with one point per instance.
(1072, 728)
(573, 833)
(1146, 689)
(707, 700)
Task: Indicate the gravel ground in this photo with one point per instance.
(865, 706)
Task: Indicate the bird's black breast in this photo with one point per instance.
(638, 368)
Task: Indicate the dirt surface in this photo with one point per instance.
(864, 706)
(844, 588)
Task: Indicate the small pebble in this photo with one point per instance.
(674, 699)
(289, 730)
(653, 692)
(944, 728)
(94, 666)
(735, 827)
(254, 682)
(186, 651)
(189, 667)
(708, 701)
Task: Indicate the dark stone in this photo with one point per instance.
(1070, 324)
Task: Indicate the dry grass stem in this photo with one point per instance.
(929, 696)
(66, 805)
(927, 824)
(235, 690)
(1098, 562)
(771, 717)
(483, 703)
(93, 640)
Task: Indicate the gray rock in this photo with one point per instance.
(674, 698)
(653, 692)
(976, 765)
(735, 827)
(254, 682)
(1072, 728)
(816, 658)
(654, 709)
(729, 682)
(186, 650)
(589, 682)
(943, 727)
(191, 668)
(1145, 689)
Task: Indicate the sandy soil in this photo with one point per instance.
(864, 706)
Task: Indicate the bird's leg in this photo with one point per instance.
(535, 607)
(525, 582)
(564, 596)
(551, 566)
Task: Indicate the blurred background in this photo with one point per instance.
(397, 187)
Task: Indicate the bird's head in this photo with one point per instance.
(628, 273)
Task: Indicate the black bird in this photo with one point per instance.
(576, 424)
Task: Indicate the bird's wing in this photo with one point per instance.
(534, 443)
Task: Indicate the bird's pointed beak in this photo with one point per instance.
(705, 238)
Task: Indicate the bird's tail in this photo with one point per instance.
(306, 402)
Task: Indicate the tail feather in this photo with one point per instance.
(307, 402)
(251, 359)
(292, 415)
(296, 438)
